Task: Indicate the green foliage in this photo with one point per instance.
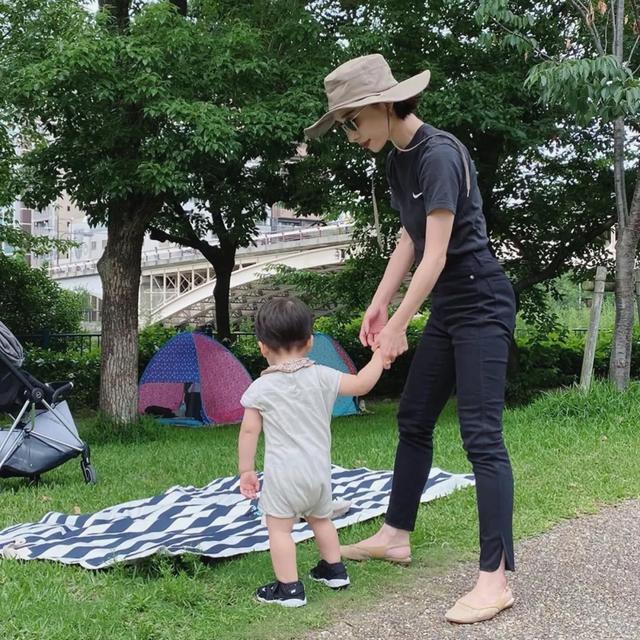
(150, 340)
(546, 362)
(30, 302)
(115, 122)
(23, 243)
(83, 369)
(591, 88)
(579, 71)
(246, 349)
(532, 159)
(345, 291)
(266, 51)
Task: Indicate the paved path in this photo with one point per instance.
(579, 581)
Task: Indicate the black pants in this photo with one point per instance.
(466, 343)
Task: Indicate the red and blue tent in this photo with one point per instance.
(196, 360)
(327, 351)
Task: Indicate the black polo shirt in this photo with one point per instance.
(434, 176)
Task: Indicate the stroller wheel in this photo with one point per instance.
(89, 473)
(34, 480)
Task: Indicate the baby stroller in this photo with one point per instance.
(43, 434)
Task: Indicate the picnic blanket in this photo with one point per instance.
(214, 521)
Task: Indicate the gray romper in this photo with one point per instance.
(296, 409)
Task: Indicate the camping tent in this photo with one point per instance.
(196, 379)
(326, 350)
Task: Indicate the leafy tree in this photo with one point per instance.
(274, 48)
(117, 108)
(592, 71)
(30, 302)
(532, 158)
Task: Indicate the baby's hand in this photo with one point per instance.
(249, 484)
(377, 355)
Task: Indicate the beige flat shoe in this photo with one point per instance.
(360, 552)
(462, 613)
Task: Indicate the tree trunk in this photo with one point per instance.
(223, 259)
(627, 238)
(119, 9)
(221, 295)
(119, 269)
(626, 246)
(222, 292)
(619, 172)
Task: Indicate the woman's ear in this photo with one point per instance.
(264, 350)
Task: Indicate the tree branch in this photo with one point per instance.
(590, 25)
(562, 254)
(218, 224)
(633, 48)
(163, 236)
(538, 51)
(618, 20)
(183, 217)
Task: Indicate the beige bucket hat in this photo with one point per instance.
(362, 81)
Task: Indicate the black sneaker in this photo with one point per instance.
(332, 575)
(286, 594)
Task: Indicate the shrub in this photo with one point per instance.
(83, 369)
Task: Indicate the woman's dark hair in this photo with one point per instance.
(404, 108)
(283, 324)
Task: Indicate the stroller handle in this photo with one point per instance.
(61, 391)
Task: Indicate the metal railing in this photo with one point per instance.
(87, 341)
(182, 254)
(63, 341)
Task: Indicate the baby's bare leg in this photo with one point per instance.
(283, 549)
(326, 538)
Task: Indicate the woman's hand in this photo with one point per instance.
(249, 484)
(391, 342)
(375, 319)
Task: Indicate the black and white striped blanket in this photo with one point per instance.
(214, 521)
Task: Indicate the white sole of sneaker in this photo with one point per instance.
(289, 604)
(335, 583)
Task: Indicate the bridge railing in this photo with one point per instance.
(161, 255)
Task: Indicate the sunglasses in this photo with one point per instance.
(350, 125)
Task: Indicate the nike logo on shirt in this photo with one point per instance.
(416, 195)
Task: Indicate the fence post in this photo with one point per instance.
(592, 334)
(45, 337)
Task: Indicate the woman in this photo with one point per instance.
(466, 340)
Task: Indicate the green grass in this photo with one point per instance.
(570, 454)
(576, 319)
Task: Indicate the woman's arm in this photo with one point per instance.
(376, 315)
(439, 226)
(392, 339)
(397, 268)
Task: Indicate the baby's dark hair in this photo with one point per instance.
(284, 324)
